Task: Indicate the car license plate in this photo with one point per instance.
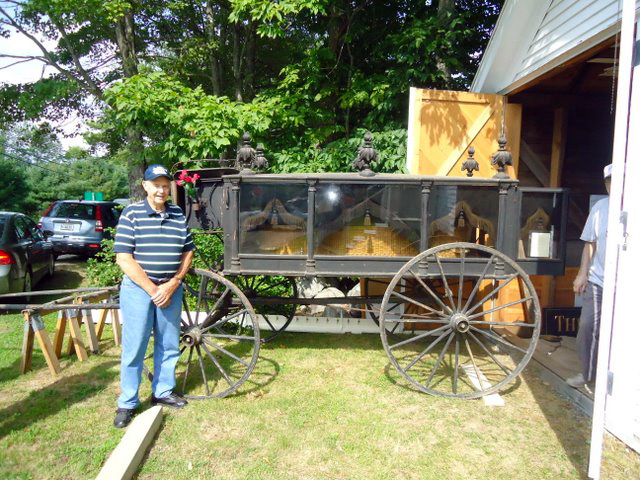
(67, 227)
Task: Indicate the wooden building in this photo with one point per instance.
(548, 81)
(561, 79)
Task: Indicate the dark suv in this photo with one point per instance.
(78, 226)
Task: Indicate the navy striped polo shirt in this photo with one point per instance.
(156, 240)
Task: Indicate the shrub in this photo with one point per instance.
(102, 270)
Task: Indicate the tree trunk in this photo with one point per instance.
(445, 9)
(212, 39)
(250, 62)
(135, 162)
(338, 24)
(125, 36)
(237, 61)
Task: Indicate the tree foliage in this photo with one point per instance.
(180, 80)
(37, 172)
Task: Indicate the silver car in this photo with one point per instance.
(25, 255)
(78, 226)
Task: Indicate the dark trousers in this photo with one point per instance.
(589, 330)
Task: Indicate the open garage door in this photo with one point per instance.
(617, 399)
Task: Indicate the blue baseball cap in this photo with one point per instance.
(154, 171)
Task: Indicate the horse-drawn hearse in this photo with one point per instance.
(443, 265)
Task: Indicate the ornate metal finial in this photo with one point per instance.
(366, 155)
(470, 164)
(246, 155)
(501, 158)
(260, 163)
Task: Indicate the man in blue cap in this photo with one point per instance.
(589, 283)
(154, 249)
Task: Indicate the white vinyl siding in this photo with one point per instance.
(532, 37)
(566, 25)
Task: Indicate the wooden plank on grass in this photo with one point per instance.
(491, 400)
(126, 457)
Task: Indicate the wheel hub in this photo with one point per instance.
(192, 337)
(460, 322)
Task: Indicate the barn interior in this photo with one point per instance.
(566, 139)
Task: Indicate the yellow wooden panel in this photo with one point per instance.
(444, 124)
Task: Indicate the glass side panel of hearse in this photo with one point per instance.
(273, 218)
(367, 220)
(542, 229)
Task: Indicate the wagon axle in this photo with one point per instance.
(459, 322)
(192, 337)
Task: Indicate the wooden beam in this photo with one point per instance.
(513, 120)
(123, 462)
(47, 351)
(27, 345)
(115, 325)
(37, 324)
(101, 322)
(558, 145)
(92, 338)
(535, 163)
(61, 328)
(76, 338)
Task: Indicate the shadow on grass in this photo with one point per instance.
(574, 441)
(333, 341)
(55, 397)
(265, 372)
(395, 377)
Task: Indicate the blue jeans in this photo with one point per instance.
(139, 316)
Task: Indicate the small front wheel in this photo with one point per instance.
(219, 337)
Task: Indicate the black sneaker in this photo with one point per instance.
(123, 417)
(172, 400)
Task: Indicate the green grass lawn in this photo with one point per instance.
(317, 406)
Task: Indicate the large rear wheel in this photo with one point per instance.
(471, 320)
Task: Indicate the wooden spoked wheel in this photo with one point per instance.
(220, 338)
(273, 298)
(471, 320)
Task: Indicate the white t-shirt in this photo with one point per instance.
(595, 230)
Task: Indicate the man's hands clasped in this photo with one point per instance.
(163, 293)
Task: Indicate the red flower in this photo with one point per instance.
(179, 182)
(195, 177)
